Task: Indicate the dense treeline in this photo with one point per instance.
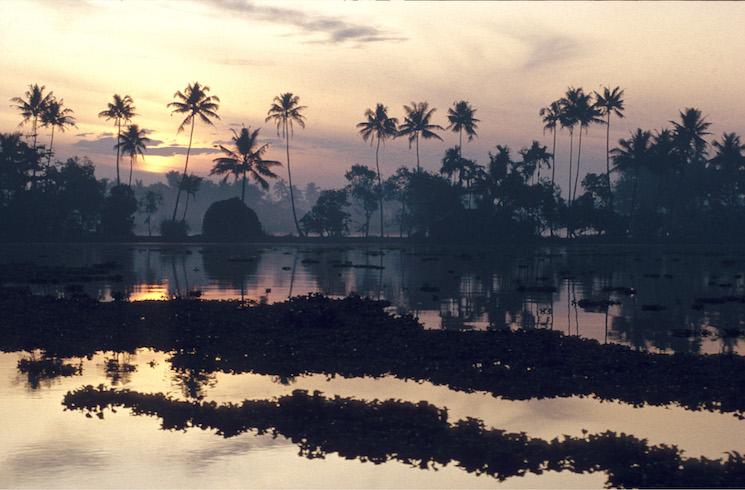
(666, 184)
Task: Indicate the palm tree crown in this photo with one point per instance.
(56, 115)
(729, 153)
(417, 124)
(689, 134)
(120, 110)
(610, 102)
(462, 117)
(245, 159)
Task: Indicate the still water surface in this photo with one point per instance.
(46, 446)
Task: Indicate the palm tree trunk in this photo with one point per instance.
(553, 173)
(33, 171)
(51, 145)
(607, 161)
(243, 188)
(571, 163)
(131, 166)
(460, 142)
(576, 171)
(289, 177)
(380, 187)
(186, 207)
(417, 152)
(186, 167)
(118, 150)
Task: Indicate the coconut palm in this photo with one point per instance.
(149, 204)
(689, 135)
(285, 112)
(568, 120)
(533, 158)
(452, 164)
(195, 103)
(133, 143)
(120, 110)
(729, 153)
(56, 115)
(245, 159)
(462, 118)
(609, 103)
(551, 115)
(190, 184)
(32, 106)
(417, 124)
(585, 113)
(378, 127)
(631, 155)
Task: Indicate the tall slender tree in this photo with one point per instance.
(32, 107)
(285, 112)
(245, 159)
(121, 110)
(462, 117)
(551, 116)
(376, 128)
(133, 142)
(190, 185)
(417, 124)
(56, 115)
(609, 103)
(195, 103)
(568, 120)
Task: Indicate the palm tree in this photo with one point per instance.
(244, 160)
(551, 117)
(462, 118)
(149, 204)
(121, 111)
(195, 103)
(33, 106)
(568, 120)
(56, 115)
(689, 135)
(377, 128)
(190, 184)
(631, 155)
(729, 153)
(585, 113)
(133, 143)
(609, 103)
(417, 124)
(534, 157)
(452, 164)
(286, 111)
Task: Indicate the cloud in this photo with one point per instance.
(549, 49)
(104, 144)
(333, 29)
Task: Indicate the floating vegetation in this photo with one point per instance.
(420, 435)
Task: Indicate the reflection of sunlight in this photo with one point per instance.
(149, 292)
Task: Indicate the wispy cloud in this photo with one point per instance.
(105, 144)
(332, 29)
(549, 50)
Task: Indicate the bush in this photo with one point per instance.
(174, 230)
(231, 220)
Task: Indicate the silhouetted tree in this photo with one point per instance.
(362, 188)
(632, 155)
(56, 115)
(244, 160)
(394, 188)
(378, 127)
(133, 142)
(32, 107)
(286, 111)
(149, 204)
(533, 158)
(551, 116)
(195, 103)
(190, 184)
(328, 217)
(417, 124)
(121, 110)
(609, 103)
(462, 117)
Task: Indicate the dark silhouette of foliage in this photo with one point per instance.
(231, 220)
(117, 213)
(363, 188)
(328, 217)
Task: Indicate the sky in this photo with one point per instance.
(508, 59)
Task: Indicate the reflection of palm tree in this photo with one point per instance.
(417, 124)
(190, 184)
(56, 115)
(244, 160)
(631, 155)
(462, 117)
(378, 127)
(195, 103)
(610, 102)
(133, 143)
(121, 111)
(33, 106)
(286, 111)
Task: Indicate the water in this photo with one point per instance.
(47, 446)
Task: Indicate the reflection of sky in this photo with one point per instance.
(45, 446)
(509, 59)
(476, 290)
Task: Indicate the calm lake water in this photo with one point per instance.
(657, 294)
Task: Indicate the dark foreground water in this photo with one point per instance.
(667, 299)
